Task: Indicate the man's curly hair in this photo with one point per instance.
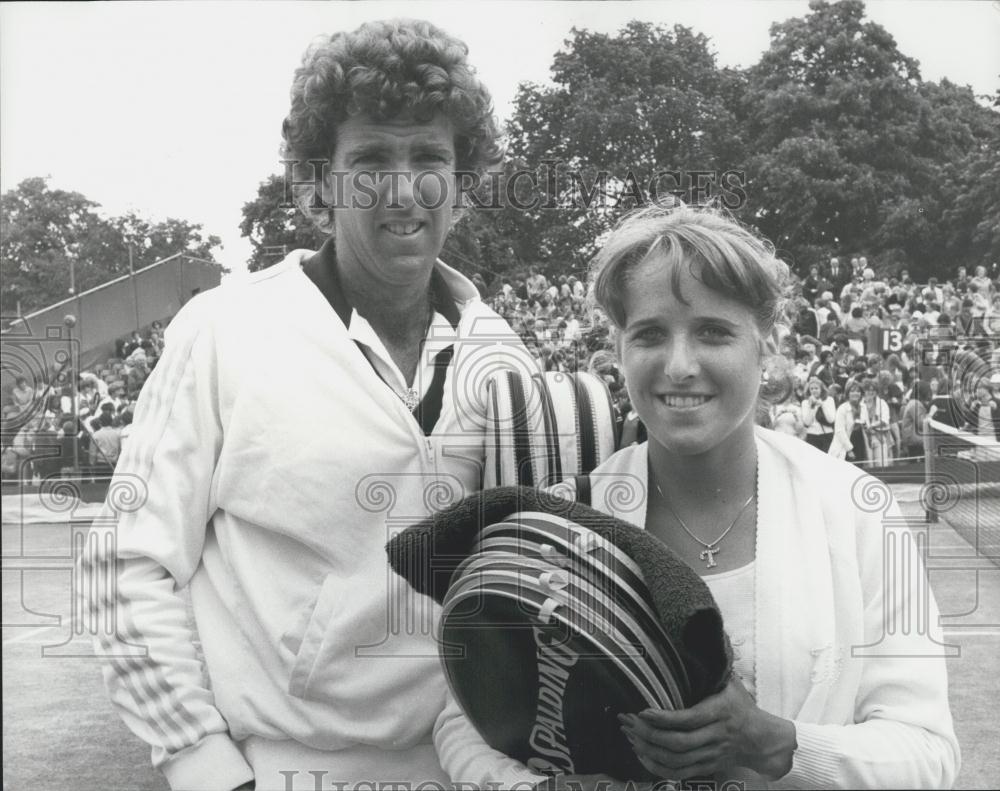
(386, 70)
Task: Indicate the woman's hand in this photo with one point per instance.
(725, 730)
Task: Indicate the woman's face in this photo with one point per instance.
(854, 395)
(693, 370)
(815, 390)
(935, 386)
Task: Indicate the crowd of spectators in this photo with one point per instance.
(865, 358)
(552, 319)
(78, 429)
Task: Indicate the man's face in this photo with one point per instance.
(395, 209)
(809, 349)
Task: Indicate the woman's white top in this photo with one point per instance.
(734, 593)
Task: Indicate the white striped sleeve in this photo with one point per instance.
(153, 672)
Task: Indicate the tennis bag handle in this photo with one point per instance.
(545, 428)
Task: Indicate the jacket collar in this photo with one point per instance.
(323, 270)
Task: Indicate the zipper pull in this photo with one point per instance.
(412, 399)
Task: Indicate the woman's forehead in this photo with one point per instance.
(661, 281)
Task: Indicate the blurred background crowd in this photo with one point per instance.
(865, 359)
(78, 428)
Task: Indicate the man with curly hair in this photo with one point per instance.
(317, 666)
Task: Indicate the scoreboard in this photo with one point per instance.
(884, 341)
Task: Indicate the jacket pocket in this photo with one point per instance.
(305, 639)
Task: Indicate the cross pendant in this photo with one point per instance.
(708, 554)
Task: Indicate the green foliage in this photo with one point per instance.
(482, 241)
(852, 151)
(274, 228)
(45, 233)
(634, 105)
(971, 197)
(153, 242)
(844, 148)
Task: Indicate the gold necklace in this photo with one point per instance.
(711, 549)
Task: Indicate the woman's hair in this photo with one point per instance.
(816, 381)
(718, 251)
(388, 70)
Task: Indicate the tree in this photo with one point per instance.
(852, 149)
(482, 242)
(43, 232)
(152, 242)
(971, 195)
(49, 235)
(648, 107)
(830, 144)
(275, 228)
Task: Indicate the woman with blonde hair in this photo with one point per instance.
(818, 414)
(876, 422)
(775, 528)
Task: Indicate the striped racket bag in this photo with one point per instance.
(543, 429)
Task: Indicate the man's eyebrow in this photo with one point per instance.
(434, 146)
(365, 149)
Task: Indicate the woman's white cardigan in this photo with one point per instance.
(843, 425)
(848, 644)
(881, 414)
